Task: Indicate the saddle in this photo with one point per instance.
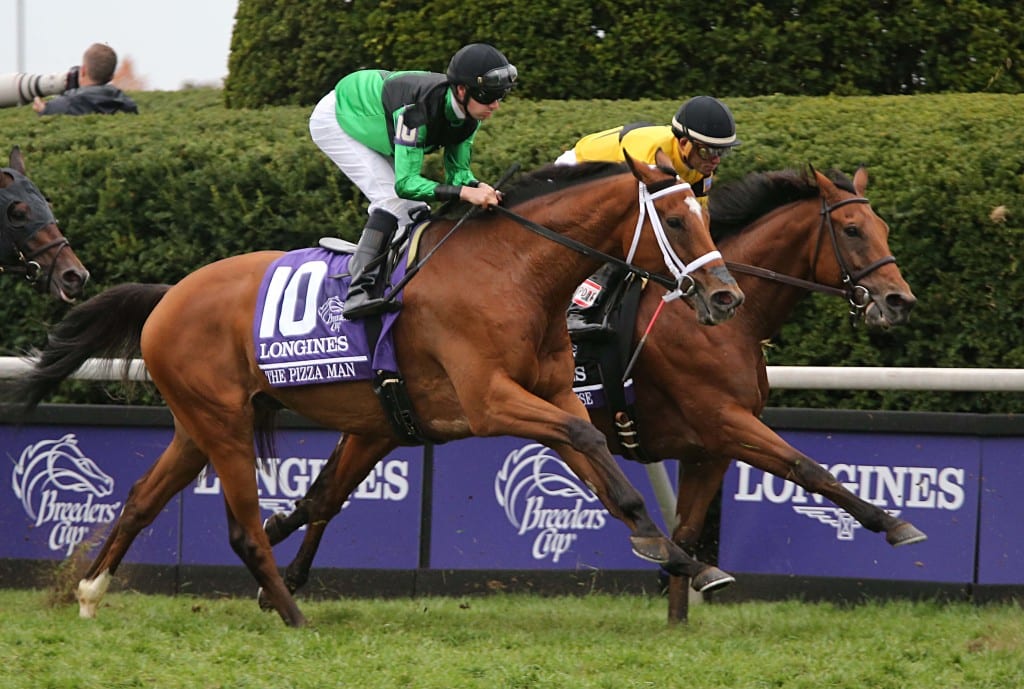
(601, 364)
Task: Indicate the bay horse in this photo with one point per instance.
(699, 391)
(481, 340)
(31, 243)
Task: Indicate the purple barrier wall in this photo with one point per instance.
(1001, 537)
(770, 526)
(509, 503)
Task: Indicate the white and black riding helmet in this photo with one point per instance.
(484, 71)
(708, 121)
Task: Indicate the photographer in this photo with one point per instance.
(93, 93)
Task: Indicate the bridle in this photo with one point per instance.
(857, 296)
(15, 258)
(681, 284)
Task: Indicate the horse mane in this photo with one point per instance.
(547, 180)
(735, 205)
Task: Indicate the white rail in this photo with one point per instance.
(780, 377)
(93, 369)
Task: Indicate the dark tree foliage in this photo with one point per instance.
(294, 52)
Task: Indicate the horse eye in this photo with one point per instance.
(16, 214)
(675, 222)
(851, 231)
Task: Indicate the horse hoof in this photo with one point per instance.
(710, 579)
(651, 548)
(904, 533)
(264, 604)
(272, 527)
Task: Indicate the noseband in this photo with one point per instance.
(857, 296)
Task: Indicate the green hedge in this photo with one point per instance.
(151, 198)
(292, 52)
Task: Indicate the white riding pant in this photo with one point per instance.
(372, 172)
(567, 158)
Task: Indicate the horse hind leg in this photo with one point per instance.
(349, 463)
(179, 463)
(281, 525)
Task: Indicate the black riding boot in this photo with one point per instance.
(591, 321)
(364, 297)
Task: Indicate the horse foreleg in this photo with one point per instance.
(562, 425)
(759, 446)
(700, 477)
(177, 465)
(699, 482)
(605, 478)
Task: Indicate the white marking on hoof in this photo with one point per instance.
(90, 593)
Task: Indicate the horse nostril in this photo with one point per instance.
(900, 302)
(727, 299)
(74, 279)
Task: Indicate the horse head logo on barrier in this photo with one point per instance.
(49, 469)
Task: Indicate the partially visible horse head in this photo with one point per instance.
(681, 226)
(31, 243)
(861, 260)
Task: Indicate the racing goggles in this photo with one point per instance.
(708, 152)
(494, 85)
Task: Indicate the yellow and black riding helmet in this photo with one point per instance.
(706, 121)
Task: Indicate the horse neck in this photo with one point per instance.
(605, 222)
(783, 241)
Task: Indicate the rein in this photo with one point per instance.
(856, 295)
(647, 195)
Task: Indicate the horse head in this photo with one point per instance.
(680, 225)
(31, 243)
(861, 259)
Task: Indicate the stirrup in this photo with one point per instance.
(371, 307)
(583, 328)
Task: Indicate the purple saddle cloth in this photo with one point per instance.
(299, 328)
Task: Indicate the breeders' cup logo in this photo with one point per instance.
(332, 313)
(892, 488)
(51, 479)
(541, 496)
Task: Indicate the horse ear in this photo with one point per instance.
(17, 161)
(664, 163)
(629, 160)
(860, 180)
(828, 188)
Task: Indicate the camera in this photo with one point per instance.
(19, 88)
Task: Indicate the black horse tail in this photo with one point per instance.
(108, 325)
